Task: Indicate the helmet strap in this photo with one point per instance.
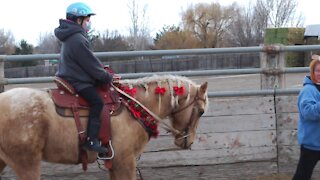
(72, 17)
(82, 19)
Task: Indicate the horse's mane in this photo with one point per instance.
(157, 78)
(170, 80)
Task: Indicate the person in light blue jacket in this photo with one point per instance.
(309, 123)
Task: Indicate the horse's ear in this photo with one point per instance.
(203, 87)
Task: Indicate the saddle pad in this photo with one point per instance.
(67, 112)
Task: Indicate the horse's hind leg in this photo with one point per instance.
(2, 166)
(28, 171)
(24, 171)
(26, 167)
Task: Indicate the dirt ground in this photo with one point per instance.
(71, 172)
(278, 177)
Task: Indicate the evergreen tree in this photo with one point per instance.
(22, 49)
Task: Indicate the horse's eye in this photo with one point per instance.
(201, 111)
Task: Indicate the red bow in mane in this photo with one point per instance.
(179, 91)
(160, 90)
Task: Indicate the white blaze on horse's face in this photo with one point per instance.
(186, 120)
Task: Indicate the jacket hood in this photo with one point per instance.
(66, 29)
(307, 80)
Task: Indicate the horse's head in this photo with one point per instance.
(176, 97)
(185, 117)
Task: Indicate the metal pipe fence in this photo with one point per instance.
(140, 75)
(275, 53)
(264, 92)
(180, 73)
(255, 49)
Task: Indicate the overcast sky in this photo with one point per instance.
(26, 19)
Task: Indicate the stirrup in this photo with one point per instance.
(106, 157)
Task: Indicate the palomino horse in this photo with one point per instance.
(32, 131)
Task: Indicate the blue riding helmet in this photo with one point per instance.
(79, 9)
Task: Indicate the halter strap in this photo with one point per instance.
(196, 98)
(185, 133)
(166, 126)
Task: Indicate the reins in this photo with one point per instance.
(157, 118)
(166, 126)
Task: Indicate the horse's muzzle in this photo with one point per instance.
(183, 142)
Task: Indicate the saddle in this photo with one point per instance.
(70, 104)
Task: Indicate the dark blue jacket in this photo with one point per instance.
(77, 64)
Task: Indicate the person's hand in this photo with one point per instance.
(108, 69)
(116, 79)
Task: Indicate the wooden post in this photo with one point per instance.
(272, 62)
(2, 80)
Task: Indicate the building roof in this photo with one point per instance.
(312, 30)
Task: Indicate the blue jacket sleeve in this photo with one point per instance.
(309, 104)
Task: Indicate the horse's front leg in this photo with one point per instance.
(124, 170)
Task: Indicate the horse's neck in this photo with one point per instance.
(161, 104)
(156, 103)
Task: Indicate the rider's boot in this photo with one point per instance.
(92, 143)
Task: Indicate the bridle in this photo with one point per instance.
(185, 133)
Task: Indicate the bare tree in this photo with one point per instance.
(109, 41)
(7, 45)
(172, 37)
(246, 30)
(48, 43)
(251, 22)
(139, 37)
(209, 22)
(278, 13)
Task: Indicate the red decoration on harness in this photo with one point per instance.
(144, 117)
(138, 112)
(179, 91)
(130, 91)
(160, 90)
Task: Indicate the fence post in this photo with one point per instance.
(272, 62)
(2, 80)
